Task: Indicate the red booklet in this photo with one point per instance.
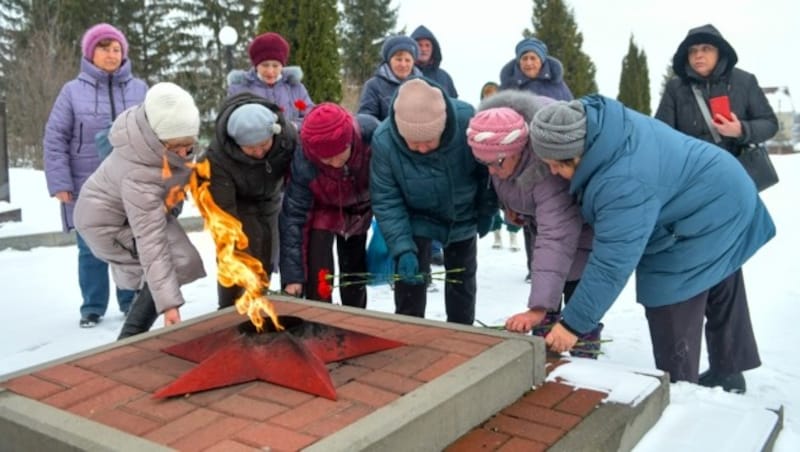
(720, 105)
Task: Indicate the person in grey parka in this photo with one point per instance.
(499, 138)
(124, 209)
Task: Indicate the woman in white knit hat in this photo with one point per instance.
(123, 212)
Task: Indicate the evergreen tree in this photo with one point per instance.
(554, 25)
(310, 28)
(669, 74)
(634, 81)
(364, 24)
(198, 58)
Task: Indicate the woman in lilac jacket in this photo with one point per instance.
(498, 136)
(84, 109)
(271, 79)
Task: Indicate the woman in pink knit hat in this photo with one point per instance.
(499, 137)
(75, 142)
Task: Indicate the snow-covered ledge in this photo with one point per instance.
(9, 212)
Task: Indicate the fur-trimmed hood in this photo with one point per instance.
(293, 75)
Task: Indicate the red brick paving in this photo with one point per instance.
(115, 387)
(534, 422)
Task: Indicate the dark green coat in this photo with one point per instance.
(438, 195)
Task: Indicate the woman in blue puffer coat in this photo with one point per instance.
(680, 212)
(82, 113)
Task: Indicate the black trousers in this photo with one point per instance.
(352, 252)
(459, 295)
(676, 332)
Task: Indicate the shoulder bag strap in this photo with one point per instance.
(706, 114)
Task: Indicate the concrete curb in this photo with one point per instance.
(26, 424)
(27, 242)
(443, 410)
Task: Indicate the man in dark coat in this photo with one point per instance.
(250, 157)
(429, 59)
(707, 61)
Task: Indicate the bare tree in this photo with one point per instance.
(34, 79)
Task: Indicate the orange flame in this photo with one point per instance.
(174, 196)
(166, 173)
(234, 266)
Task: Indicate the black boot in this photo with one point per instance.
(731, 382)
(141, 315)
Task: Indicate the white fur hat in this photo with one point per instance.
(171, 111)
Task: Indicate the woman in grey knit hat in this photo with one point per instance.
(677, 211)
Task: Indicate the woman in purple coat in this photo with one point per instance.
(498, 136)
(83, 113)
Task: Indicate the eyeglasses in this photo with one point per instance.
(496, 164)
(177, 146)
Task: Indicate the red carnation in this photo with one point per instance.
(324, 288)
(300, 105)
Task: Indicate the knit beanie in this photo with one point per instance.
(171, 111)
(419, 111)
(394, 44)
(531, 45)
(558, 131)
(269, 46)
(497, 133)
(97, 33)
(327, 130)
(252, 124)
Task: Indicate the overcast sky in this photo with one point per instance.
(479, 37)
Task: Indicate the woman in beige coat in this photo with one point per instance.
(124, 213)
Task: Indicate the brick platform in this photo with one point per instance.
(451, 386)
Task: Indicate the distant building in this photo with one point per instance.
(781, 101)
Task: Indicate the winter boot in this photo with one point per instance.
(588, 345)
(141, 315)
(498, 240)
(730, 382)
(90, 321)
(513, 245)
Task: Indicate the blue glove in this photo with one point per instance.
(408, 268)
(484, 225)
